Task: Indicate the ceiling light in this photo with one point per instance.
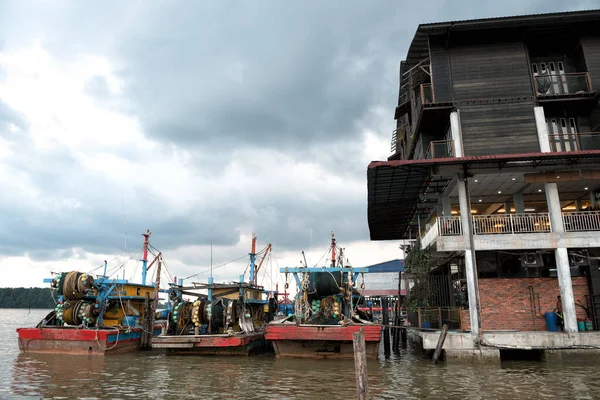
(499, 191)
(557, 176)
(585, 188)
(480, 200)
(514, 179)
(539, 190)
(476, 181)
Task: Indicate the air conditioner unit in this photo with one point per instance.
(532, 260)
(579, 258)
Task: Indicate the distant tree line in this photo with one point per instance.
(26, 298)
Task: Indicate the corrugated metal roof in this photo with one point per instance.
(525, 18)
(396, 265)
(419, 47)
(394, 187)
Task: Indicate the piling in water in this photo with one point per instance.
(360, 364)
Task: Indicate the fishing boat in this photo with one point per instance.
(325, 313)
(227, 320)
(97, 315)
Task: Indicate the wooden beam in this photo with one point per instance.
(562, 176)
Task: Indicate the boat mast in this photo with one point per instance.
(253, 260)
(145, 255)
(332, 250)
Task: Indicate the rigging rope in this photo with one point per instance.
(218, 266)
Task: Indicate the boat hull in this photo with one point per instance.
(321, 341)
(233, 345)
(74, 341)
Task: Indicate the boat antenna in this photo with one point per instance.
(124, 224)
(211, 263)
(310, 243)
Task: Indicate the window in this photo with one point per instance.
(562, 133)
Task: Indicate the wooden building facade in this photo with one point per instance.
(495, 167)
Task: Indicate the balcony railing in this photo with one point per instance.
(440, 149)
(562, 84)
(449, 226)
(581, 221)
(398, 138)
(575, 141)
(493, 224)
(511, 223)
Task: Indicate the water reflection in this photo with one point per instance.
(152, 375)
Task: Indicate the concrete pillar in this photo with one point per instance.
(579, 205)
(456, 131)
(542, 129)
(470, 261)
(519, 203)
(563, 268)
(593, 200)
(446, 206)
(556, 221)
(507, 207)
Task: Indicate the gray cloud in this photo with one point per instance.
(211, 78)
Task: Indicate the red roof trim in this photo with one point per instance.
(495, 157)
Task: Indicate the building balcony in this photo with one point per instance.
(575, 141)
(561, 85)
(515, 231)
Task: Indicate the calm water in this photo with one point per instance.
(155, 376)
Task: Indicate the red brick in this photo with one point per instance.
(505, 303)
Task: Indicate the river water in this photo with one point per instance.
(152, 375)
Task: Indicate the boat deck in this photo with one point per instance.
(236, 344)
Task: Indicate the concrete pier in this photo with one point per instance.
(462, 346)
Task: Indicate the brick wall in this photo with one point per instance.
(505, 303)
(465, 320)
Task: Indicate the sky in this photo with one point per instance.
(204, 122)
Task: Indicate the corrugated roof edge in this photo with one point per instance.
(516, 18)
(495, 157)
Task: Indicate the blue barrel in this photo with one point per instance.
(581, 325)
(552, 321)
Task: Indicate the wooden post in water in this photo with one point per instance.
(403, 337)
(438, 349)
(386, 325)
(360, 364)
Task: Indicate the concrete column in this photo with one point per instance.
(554, 208)
(579, 205)
(456, 131)
(446, 206)
(519, 203)
(563, 268)
(542, 129)
(593, 201)
(470, 261)
(507, 207)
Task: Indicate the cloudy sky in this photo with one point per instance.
(199, 120)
